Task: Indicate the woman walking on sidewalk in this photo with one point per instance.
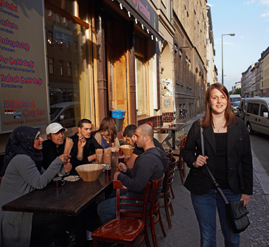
(227, 155)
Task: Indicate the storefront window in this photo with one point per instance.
(140, 86)
(140, 75)
(69, 81)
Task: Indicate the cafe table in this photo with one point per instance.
(161, 137)
(172, 128)
(71, 199)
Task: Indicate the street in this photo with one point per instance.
(260, 146)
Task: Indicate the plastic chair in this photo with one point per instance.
(129, 227)
(166, 194)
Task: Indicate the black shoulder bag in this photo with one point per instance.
(235, 211)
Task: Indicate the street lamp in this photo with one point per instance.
(231, 34)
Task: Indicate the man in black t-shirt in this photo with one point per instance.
(129, 134)
(83, 151)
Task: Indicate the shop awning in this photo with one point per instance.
(149, 26)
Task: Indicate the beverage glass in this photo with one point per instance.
(107, 171)
(121, 159)
(58, 182)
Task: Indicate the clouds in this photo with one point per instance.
(264, 3)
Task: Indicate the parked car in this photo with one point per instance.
(256, 116)
(65, 113)
(235, 97)
(242, 107)
(235, 107)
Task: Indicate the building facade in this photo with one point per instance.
(246, 82)
(264, 83)
(190, 57)
(210, 51)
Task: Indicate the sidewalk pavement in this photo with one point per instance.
(185, 230)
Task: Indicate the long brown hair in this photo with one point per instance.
(229, 116)
(108, 124)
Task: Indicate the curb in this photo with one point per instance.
(261, 175)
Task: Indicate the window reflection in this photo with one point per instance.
(67, 63)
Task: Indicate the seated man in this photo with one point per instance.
(83, 151)
(129, 134)
(148, 166)
(55, 145)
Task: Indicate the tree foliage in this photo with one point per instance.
(237, 91)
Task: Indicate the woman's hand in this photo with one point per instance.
(200, 161)
(65, 158)
(67, 167)
(114, 150)
(245, 198)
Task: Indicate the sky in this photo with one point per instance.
(249, 20)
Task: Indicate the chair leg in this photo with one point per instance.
(153, 233)
(181, 171)
(161, 223)
(171, 207)
(147, 236)
(95, 242)
(167, 213)
(172, 192)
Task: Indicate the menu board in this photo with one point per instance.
(23, 98)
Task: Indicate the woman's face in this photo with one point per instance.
(218, 101)
(38, 142)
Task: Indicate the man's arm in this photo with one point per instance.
(81, 144)
(130, 162)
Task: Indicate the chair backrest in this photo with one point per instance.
(156, 184)
(133, 209)
(169, 175)
(183, 141)
(169, 154)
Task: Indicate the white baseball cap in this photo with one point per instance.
(54, 128)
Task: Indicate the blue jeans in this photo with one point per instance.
(205, 209)
(107, 209)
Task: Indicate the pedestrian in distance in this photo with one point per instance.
(228, 157)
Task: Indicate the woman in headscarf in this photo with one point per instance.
(21, 173)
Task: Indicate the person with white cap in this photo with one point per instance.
(55, 145)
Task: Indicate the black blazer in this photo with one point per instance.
(239, 159)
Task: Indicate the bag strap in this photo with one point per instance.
(210, 173)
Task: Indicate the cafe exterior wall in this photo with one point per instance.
(133, 47)
(64, 62)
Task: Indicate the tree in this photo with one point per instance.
(237, 91)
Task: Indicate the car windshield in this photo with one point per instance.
(235, 99)
(54, 111)
(236, 103)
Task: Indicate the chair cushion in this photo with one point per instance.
(125, 229)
